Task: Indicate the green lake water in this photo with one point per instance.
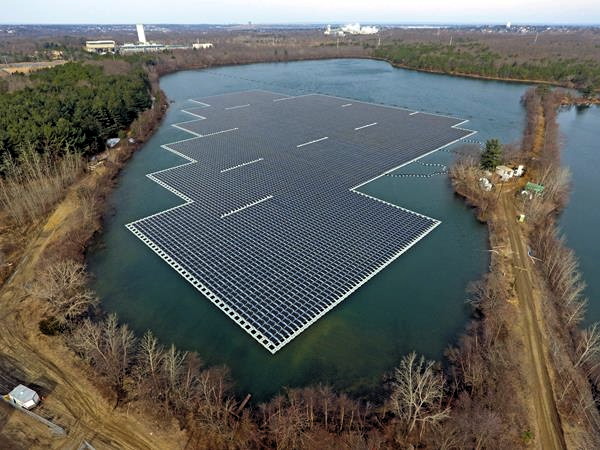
(416, 303)
(580, 130)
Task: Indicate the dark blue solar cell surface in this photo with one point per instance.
(274, 231)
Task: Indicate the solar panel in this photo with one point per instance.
(273, 229)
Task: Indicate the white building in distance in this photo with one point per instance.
(202, 45)
(101, 47)
(142, 45)
(333, 31)
(355, 28)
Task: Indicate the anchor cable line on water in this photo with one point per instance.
(274, 229)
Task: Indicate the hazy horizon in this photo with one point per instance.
(270, 12)
(313, 23)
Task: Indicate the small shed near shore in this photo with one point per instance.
(24, 397)
(534, 188)
(505, 172)
(112, 142)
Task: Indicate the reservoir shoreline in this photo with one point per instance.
(55, 358)
(438, 353)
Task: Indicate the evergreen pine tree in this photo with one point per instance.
(492, 155)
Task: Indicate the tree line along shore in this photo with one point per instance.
(479, 400)
(473, 59)
(569, 59)
(530, 305)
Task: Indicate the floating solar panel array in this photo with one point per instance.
(274, 230)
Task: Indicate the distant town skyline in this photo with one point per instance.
(584, 12)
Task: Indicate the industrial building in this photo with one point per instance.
(351, 28)
(141, 48)
(101, 47)
(356, 28)
(142, 45)
(201, 45)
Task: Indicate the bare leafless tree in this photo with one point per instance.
(465, 174)
(447, 436)
(109, 347)
(88, 203)
(588, 348)
(417, 393)
(63, 285)
(562, 272)
(150, 357)
(557, 184)
(148, 374)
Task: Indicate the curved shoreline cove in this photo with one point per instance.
(417, 303)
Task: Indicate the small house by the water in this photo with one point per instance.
(485, 184)
(519, 170)
(505, 172)
(112, 142)
(24, 397)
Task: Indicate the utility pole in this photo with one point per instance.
(536, 36)
(378, 41)
(451, 41)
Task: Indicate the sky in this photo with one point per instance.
(300, 11)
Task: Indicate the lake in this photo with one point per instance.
(416, 303)
(580, 130)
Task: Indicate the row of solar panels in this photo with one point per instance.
(294, 240)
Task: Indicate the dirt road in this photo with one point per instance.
(72, 401)
(550, 433)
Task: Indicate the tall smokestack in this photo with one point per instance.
(141, 34)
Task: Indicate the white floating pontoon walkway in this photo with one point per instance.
(273, 229)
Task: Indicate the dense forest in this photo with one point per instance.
(70, 107)
(473, 58)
